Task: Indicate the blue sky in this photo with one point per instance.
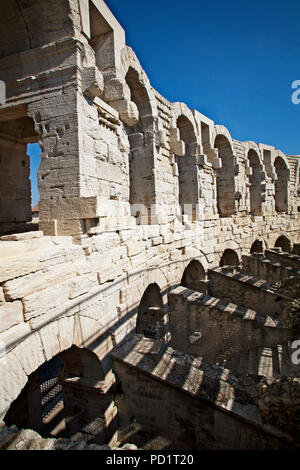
(34, 151)
(232, 60)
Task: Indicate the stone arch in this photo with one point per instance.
(15, 181)
(142, 146)
(229, 258)
(129, 60)
(79, 386)
(255, 180)
(36, 348)
(281, 184)
(257, 247)
(152, 316)
(225, 177)
(284, 243)
(193, 276)
(187, 171)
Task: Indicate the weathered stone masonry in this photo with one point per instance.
(117, 161)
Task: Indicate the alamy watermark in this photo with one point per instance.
(296, 93)
(296, 353)
(2, 92)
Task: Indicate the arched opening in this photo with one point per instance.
(281, 185)
(102, 39)
(257, 247)
(229, 258)
(225, 178)
(68, 395)
(152, 317)
(255, 181)
(194, 277)
(187, 172)
(18, 175)
(142, 148)
(284, 243)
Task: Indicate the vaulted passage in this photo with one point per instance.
(67, 396)
(225, 178)
(255, 180)
(229, 258)
(257, 247)
(193, 276)
(281, 185)
(152, 316)
(284, 243)
(141, 190)
(187, 172)
(15, 184)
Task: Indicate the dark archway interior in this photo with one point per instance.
(187, 178)
(63, 398)
(193, 276)
(141, 191)
(284, 243)
(225, 178)
(257, 247)
(255, 183)
(229, 258)
(152, 317)
(281, 185)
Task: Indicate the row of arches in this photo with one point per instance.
(143, 149)
(282, 242)
(79, 382)
(152, 313)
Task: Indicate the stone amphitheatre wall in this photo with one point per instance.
(117, 161)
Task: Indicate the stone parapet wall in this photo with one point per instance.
(196, 318)
(189, 401)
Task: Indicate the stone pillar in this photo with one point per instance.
(89, 408)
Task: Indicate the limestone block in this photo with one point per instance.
(30, 353)
(108, 273)
(138, 260)
(49, 227)
(157, 241)
(134, 247)
(50, 339)
(12, 268)
(161, 138)
(11, 314)
(12, 380)
(87, 333)
(174, 134)
(22, 236)
(92, 82)
(41, 302)
(9, 338)
(82, 284)
(178, 148)
(68, 227)
(116, 90)
(128, 112)
(25, 285)
(66, 332)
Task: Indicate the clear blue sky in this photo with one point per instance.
(232, 60)
(34, 151)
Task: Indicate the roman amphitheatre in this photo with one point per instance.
(155, 304)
